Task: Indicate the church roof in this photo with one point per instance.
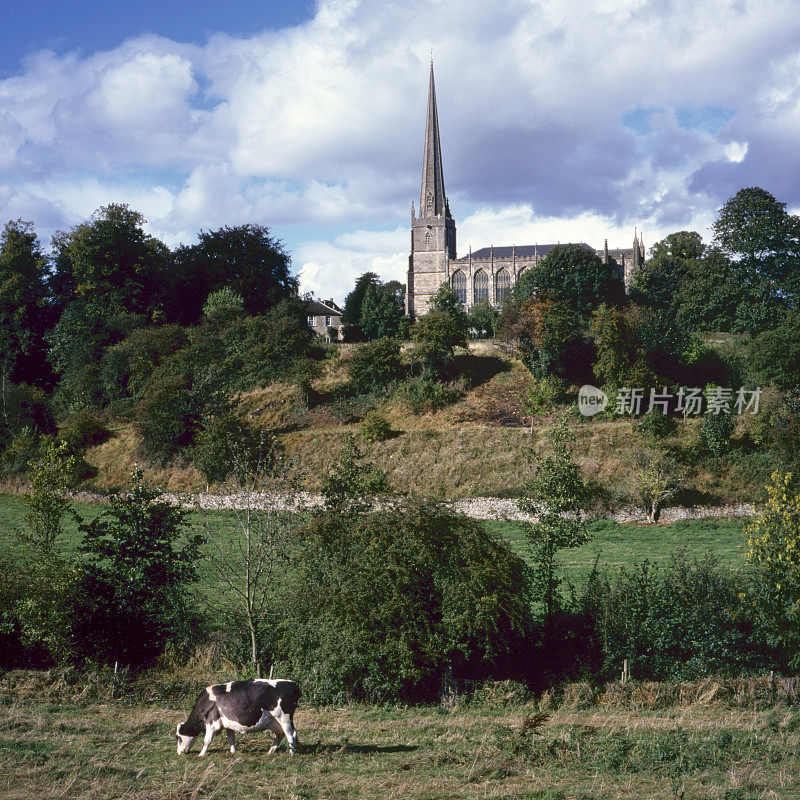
(520, 250)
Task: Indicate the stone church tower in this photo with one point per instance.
(433, 232)
(487, 274)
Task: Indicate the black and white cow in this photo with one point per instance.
(242, 707)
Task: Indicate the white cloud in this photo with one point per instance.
(322, 124)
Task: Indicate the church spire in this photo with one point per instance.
(432, 201)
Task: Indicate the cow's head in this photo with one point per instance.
(185, 741)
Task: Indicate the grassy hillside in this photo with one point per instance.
(475, 446)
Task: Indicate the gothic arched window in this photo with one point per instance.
(427, 238)
(481, 286)
(459, 283)
(502, 286)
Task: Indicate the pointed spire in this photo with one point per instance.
(432, 202)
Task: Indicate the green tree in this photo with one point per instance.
(375, 365)
(436, 335)
(774, 555)
(573, 274)
(43, 609)
(381, 606)
(484, 318)
(139, 562)
(244, 258)
(754, 228)
(719, 294)
(25, 314)
(657, 280)
(556, 497)
(77, 344)
(446, 301)
(354, 302)
(111, 260)
(774, 355)
(51, 476)
(353, 482)
(382, 310)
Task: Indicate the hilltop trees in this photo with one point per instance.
(246, 259)
(24, 313)
(573, 274)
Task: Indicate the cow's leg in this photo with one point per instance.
(275, 727)
(210, 731)
(286, 722)
(231, 739)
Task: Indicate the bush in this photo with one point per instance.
(685, 620)
(657, 424)
(716, 431)
(426, 394)
(139, 563)
(398, 597)
(774, 537)
(375, 428)
(82, 430)
(375, 365)
(550, 338)
(165, 417)
(225, 445)
(437, 334)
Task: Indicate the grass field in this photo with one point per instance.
(616, 544)
(117, 749)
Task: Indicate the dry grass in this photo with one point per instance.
(125, 748)
(115, 459)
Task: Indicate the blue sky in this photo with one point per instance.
(559, 121)
(91, 25)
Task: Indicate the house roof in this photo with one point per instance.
(317, 308)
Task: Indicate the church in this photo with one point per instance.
(486, 274)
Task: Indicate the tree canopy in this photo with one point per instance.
(573, 274)
(244, 258)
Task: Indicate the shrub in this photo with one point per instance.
(685, 620)
(351, 485)
(426, 394)
(82, 430)
(225, 445)
(542, 395)
(375, 365)
(375, 428)
(716, 431)
(398, 597)
(774, 355)
(437, 334)
(166, 417)
(774, 538)
(657, 424)
(139, 562)
(550, 339)
(223, 305)
(333, 333)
